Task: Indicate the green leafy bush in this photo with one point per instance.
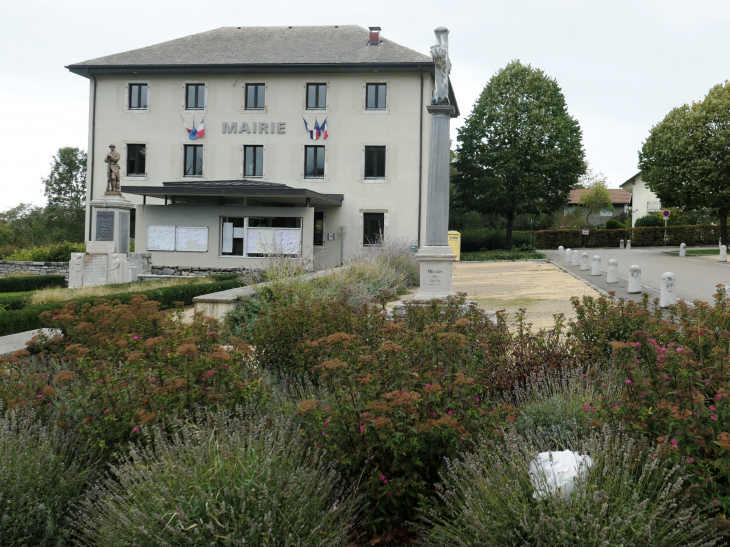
(30, 283)
(648, 221)
(60, 252)
(501, 255)
(487, 239)
(613, 224)
(42, 477)
(15, 300)
(29, 317)
(552, 239)
(399, 395)
(640, 237)
(629, 496)
(117, 367)
(225, 479)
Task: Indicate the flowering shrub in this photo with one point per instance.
(117, 367)
(220, 479)
(630, 496)
(673, 378)
(398, 395)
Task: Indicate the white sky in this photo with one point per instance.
(622, 64)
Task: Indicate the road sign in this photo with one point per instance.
(666, 213)
(586, 232)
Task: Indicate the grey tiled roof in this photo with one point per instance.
(265, 46)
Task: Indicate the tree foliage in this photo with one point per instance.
(596, 199)
(65, 186)
(686, 158)
(519, 151)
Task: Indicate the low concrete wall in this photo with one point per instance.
(8, 267)
(193, 271)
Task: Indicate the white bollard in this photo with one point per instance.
(584, 262)
(596, 268)
(561, 251)
(612, 276)
(723, 253)
(668, 295)
(634, 279)
(628, 244)
(576, 258)
(621, 244)
(683, 250)
(719, 242)
(568, 256)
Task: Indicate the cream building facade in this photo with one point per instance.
(643, 200)
(256, 180)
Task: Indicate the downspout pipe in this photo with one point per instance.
(90, 190)
(420, 158)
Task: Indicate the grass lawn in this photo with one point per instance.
(696, 252)
(500, 254)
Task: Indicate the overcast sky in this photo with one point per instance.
(621, 64)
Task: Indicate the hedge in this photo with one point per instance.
(31, 283)
(640, 237)
(14, 301)
(487, 239)
(28, 317)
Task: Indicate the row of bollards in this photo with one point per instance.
(667, 295)
(723, 251)
(628, 244)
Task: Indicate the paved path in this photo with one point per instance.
(697, 276)
(13, 342)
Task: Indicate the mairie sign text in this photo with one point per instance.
(255, 127)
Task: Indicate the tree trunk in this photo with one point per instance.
(723, 224)
(510, 223)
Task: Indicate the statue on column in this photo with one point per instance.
(112, 170)
(440, 56)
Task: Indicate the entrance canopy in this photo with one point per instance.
(230, 191)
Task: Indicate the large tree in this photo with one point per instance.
(686, 158)
(596, 199)
(65, 188)
(519, 151)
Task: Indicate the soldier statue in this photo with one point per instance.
(112, 170)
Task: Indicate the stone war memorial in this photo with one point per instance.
(107, 259)
(436, 258)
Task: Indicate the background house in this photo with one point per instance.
(620, 199)
(644, 200)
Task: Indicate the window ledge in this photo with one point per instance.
(375, 181)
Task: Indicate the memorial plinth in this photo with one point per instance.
(110, 219)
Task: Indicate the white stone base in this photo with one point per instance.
(436, 264)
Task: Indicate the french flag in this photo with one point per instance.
(193, 133)
(314, 133)
(323, 128)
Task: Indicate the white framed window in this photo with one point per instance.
(653, 206)
(196, 96)
(137, 96)
(253, 160)
(376, 95)
(193, 160)
(606, 213)
(255, 236)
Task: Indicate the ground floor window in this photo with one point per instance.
(373, 228)
(259, 236)
(319, 228)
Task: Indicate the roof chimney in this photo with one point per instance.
(374, 36)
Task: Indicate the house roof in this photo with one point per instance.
(619, 196)
(241, 46)
(268, 191)
(631, 180)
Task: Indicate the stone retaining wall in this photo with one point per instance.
(8, 267)
(193, 271)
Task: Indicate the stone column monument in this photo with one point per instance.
(435, 257)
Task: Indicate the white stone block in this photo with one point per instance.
(584, 262)
(683, 250)
(668, 294)
(568, 256)
(621, 244)
(436, 264)
(628, 244)
(723, 253)
(561, 250)
(76, 270)
(612, 274)
(634, 279)
(576, 258)
(596, 266)
(100, 247)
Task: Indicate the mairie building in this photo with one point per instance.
(242, 141)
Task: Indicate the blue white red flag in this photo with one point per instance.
(195, 134)
(316, 131)
(323, 128)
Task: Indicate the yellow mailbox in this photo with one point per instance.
(455, 243)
